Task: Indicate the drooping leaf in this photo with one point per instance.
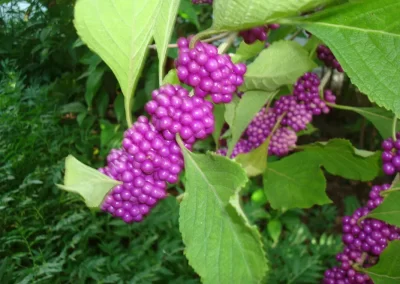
(274, 228)
(171, 78)
(387, 271)
(364, 37)
(221, 245)
(249, 105)
(381, 118)
(280, 64)
(242, 14)
(91, 184)
(295, 182)
(340, 158)
(120, 31)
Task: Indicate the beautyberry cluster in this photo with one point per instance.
(391, 155)
(137, 194)
(294, 113)
(364, 239)
(174, 112)
(258, 33)
(325, 55)
(150, 156)
(208, 72)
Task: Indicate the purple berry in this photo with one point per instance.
(208, 72)
(325, 54)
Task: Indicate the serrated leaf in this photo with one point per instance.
(274, 67)
(389, 210)
(91, 184)
(241, 14)
(220, 244)
(387, 271)
(120, 31)
(381, 118)
(295, 182)
(219, 118)
(246, 51)
(340, 158)
(254, 162)
(248, 106)
(364, 37)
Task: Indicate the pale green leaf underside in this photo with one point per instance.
(220, 244)
(387, 271)
(254, 162)
(365, 38)
(242, 14)
(91, 184)
(247, 107)
(280, 64)
(119, 31)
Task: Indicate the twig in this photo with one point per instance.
(295, 35)
(211, 39)
(227, 43)
(394, 126)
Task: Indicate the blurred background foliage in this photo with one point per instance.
(59, 98)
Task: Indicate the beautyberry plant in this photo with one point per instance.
(229, 104)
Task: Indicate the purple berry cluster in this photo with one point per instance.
(137, 194)
(297, 116)
(306, 90)
(150, 156)
(295, 112)
(174, 112)
(364, 241)
(250, 36)
(391, 155)
(208, 72)
(202, 1)
(325, 55)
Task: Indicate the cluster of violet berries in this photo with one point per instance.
(202, 1)
(250, 36)
(150, 156)
(391, 155)
(325, 55)
(294, 111)
(207, 71)
(364, 241)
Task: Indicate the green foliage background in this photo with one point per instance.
(59, 98)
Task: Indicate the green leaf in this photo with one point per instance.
(275, 67)
(171, 78)
(274, 228)
(241, 14)
(381, 118)
(249, 105)
(102, 102)
(221, 245)
(230, 110)
(91, 184)
(340, 158)
(93, 84)
(389, 210)
(364, 37)
(119, 107)
(295, 182)
(120, 32)
(246, 51)
(187, 11)
(219, 111)
(387, 271)
(254, 162)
